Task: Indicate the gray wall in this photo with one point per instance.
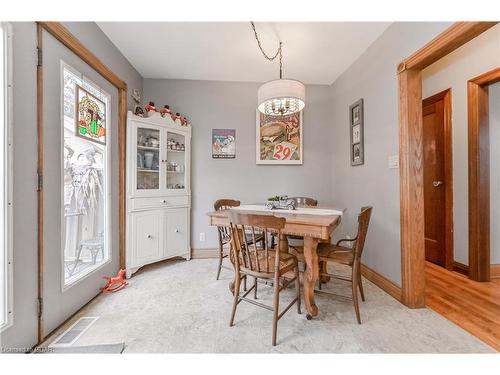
(453, 71)
(23, 332)
(495, 172)
(211, 105)
(373, 78)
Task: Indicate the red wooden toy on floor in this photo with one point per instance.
(115, 284)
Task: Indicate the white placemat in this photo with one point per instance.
(298, 210)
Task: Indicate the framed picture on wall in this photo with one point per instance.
(223, 143)
(279, 139)
(356, 133)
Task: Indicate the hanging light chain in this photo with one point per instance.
(279, 52)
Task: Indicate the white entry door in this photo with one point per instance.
(80, 183)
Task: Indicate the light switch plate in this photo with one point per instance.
(394, 162)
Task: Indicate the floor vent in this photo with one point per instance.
(74, 332)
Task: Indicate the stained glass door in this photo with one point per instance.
(176, 161)
(148, 159)
(80, 182)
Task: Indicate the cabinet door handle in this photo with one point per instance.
(150, 236)
(164, 201)
(437, 183)
(176, 230)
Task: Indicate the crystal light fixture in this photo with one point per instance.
(281, 96)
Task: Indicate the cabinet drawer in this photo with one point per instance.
(157, 202)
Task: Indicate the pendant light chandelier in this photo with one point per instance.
(280, 97)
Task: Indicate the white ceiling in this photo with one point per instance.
(314, 52)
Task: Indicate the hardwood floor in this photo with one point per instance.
(472, 305)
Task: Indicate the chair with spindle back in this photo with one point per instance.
(261, 263)
(224, 233)
(349, 256)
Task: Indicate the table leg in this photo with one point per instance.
(323, 265)
(311, 275)
(284, 243)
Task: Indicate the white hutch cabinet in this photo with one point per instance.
(158, 190)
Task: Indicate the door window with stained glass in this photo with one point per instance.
(86, 158)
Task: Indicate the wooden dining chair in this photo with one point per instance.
(224, 233)
(261, 263)
(349, 256)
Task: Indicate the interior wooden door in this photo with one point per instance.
(435, 179)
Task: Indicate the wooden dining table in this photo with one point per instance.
(314, 228)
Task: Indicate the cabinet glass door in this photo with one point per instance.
(176, 161)
(148, 159)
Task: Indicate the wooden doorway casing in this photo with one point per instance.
(57, 30)
(445, 97)
(411, 153)
(479, 174)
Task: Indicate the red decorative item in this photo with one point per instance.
(165, 111)
(176, 116)
(184, 121)
(150, 107)
(116, 283)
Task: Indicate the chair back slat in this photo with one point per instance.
(363, 222)
(225, 204)
(305, 201)
(247, 255)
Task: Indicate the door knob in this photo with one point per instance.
(437, 183)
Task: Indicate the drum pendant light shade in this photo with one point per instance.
(281, 97)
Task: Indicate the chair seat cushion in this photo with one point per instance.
(334, 253)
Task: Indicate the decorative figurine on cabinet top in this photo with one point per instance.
(137, 100)
(176, 118)
(165, 110)
(139, 111)
(184, 121)
(150, 107)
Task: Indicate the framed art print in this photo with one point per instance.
(91, 116)
(279, 139)
(356, 130)
(223, 143)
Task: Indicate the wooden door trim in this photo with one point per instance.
(57, 30)
(479, 174)
(445, 96)
(411, 153)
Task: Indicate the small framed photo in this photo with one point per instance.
(356, 133)
(356, 153)
(356, 130)
(355, 114)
